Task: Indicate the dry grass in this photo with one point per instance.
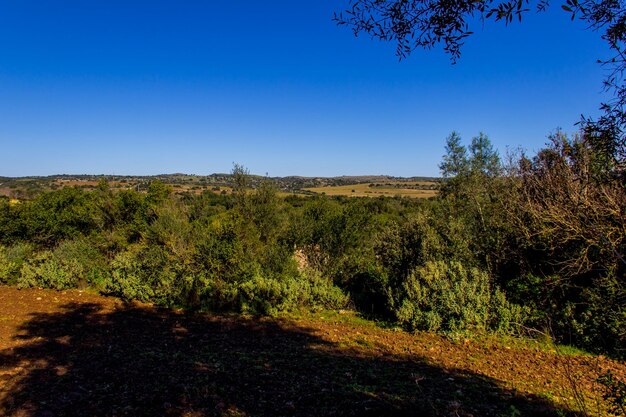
(364, 190)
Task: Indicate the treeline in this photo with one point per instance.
(538, 243)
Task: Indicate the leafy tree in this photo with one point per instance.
(158, 192)
(57, 215)
(567, 207)
(470, 212)
(265, 209)
(241, 180)
(483, 158)
(131, 212)
(455, 160)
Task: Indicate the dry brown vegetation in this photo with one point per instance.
(387, 189)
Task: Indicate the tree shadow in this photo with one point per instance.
(136, 361)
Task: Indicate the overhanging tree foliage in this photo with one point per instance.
(414, 24)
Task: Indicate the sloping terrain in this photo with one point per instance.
(73, 353)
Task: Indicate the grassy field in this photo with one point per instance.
(379, 189)
(74, 353)
(361, 186)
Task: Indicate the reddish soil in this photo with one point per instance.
(74, 353)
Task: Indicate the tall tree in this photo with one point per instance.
(483, 158)
(455, 160)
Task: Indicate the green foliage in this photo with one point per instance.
(265, 210)
(90, 263)
(333, 236)
(614, 393)
(72, 264)
(12, 258)
(197, 257)
(147, 273)
(46, 271)
(205, 206)
(445, 296)
(461, 262)
(125, 216)
(454, 161)
(531, 291)
(59, 215)
(158, 192)
(126, 279)
(271, 295)
(506, 317)
(401, 248)
(241, 181)
(171, 230)
(568, 211)
(12, 228)
(597, 316)
(321, 292)
(220, 251)
(431, 235)
(483, 158)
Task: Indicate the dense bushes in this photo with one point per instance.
(540, 243)
(198, 252)
(12, 259)
(445, 296)
(569, 207)
(255, 252)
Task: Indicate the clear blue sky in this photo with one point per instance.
(149, 87)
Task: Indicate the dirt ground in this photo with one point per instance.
(73, 353)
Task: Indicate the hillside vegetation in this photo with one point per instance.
(537, 247)
(181, 184)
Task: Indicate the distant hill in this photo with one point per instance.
(28, 187)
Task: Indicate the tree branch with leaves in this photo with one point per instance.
(425, 24)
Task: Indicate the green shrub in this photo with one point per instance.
(46, 271)
(446, 296)
(57, 215)
(323, 292)
(171, 229)
(221, 253)
(90, 263)
(268, 295)
(125, 278)
(262, 295)
(506, 317)
(12, 258)
(146, 273)
(72, 264)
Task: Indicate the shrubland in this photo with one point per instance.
(536, 243)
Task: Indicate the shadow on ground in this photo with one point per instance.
(138, 361)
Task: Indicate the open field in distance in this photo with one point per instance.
(350, 186)
(415, 189)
